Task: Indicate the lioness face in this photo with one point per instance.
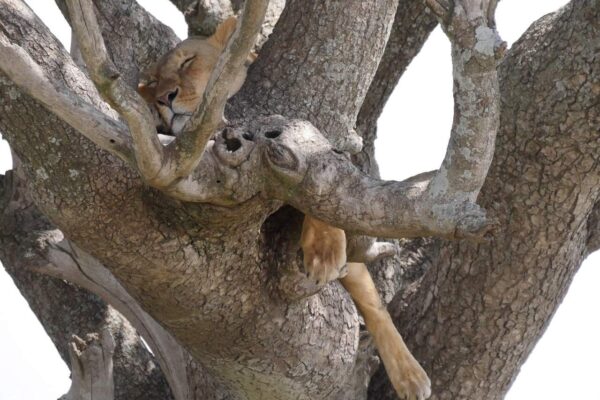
(174, 86)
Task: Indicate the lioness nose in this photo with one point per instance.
(167, 98)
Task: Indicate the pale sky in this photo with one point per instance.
(413, 134)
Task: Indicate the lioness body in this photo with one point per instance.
(174, 87)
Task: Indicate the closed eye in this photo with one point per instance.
(151, 84)
(186, 62)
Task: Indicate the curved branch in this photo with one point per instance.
(476, 49)
(293, 162)
(330, 188)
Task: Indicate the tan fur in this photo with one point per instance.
(405, 373)
(175, 84)
(174, 87)
(324, 248)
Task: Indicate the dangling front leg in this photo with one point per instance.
(407, 376)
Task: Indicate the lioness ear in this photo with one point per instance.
(147, 85)
(223, 32)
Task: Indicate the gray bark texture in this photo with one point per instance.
(208, 268)
(481, 307)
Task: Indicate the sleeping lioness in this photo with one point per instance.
(174, 88)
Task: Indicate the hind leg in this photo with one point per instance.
(405, 373)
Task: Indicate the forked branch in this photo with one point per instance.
(161, 166)
(149, 152)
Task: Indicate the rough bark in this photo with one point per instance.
(125, 25)
(33, 251)
(480, 311)
(413, 23)
(290, 77)
(215, 278)
(154, 230)
(194, 299)
(63, 308)
(203, 16)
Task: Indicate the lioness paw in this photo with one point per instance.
(323, 266)
(324, 248)
(409, 379)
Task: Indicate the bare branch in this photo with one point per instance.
(148, 150)
(335, 191)
(96, 126)
(292, 162)
(92, 367)
(476, 49)
(185, 152)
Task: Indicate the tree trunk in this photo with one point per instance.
(216, 285)
(482, 307)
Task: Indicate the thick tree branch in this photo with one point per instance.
(27, 241)
(291, 79)
(37, 256)
(107, 133)
(304, 171)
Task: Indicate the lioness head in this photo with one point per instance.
(175, 84)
